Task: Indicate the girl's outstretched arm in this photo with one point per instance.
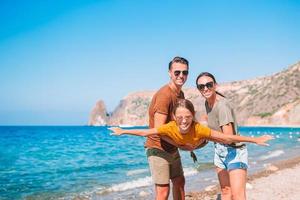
(228, 139)
(138, 132)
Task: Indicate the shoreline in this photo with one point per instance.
(276, 170)
(270, 126)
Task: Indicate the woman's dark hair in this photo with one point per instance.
(178, 59)
(184, 103)
(211, 76)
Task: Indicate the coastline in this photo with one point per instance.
(100, 171)
(270, 126)
(282, 175)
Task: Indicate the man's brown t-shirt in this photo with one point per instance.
(162, 102)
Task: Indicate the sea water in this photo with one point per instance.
(67, 162)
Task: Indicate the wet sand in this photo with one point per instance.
(278, 181)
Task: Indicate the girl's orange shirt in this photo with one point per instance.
(196, 134)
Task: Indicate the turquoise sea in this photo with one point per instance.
(65, 162)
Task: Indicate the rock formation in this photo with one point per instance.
(270, 100)
(132, 110)
(98, 116)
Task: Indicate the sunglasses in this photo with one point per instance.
(184, 72)
(209, 85)
(186, 118)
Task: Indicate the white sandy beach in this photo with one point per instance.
(281, 185)
(280, 181)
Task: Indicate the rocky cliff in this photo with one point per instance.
(132, 110)
(270, 100)
(99, 115)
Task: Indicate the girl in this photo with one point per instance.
(231, 160)
(185, 131)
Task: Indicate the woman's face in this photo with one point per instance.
(184, 119)
(206, 86)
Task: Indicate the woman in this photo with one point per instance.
(185, 131)
(231, 160)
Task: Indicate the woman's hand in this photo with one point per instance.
(116, 131)
(263, 139)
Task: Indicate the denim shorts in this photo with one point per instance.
(229, 158)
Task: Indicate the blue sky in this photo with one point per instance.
(57, 58)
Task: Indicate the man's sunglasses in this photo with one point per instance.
(209, 85)
(184, 72)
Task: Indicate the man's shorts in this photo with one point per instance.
(229, 158)
(164, 166)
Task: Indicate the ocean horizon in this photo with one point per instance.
(65, 162)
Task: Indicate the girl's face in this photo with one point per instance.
(184, 119)
(206, 86)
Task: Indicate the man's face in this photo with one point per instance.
(178, 73)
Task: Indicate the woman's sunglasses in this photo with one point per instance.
(209, 85)
(184, 72)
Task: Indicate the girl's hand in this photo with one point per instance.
(263, 139)
(116, 130)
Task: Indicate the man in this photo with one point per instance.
(164, 159)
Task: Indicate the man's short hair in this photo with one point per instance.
(178, 59)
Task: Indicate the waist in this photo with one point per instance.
(156, 142)
(162, 153)
(232, 145)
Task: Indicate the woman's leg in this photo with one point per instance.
(238, 178)
(224, 181)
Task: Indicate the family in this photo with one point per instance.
(172, 125)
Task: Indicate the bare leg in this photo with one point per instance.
(162, 192)
(238, 178)
(224, 181)
(178, 188)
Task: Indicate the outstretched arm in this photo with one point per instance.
(138, 132)
(228, 139)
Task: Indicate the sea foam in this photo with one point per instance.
(136, 171)
(272, 154)
(189, 171)
(141, 182)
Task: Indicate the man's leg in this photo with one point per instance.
(177, 178)
(160, 172)
(162, 191)
(178, 188)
